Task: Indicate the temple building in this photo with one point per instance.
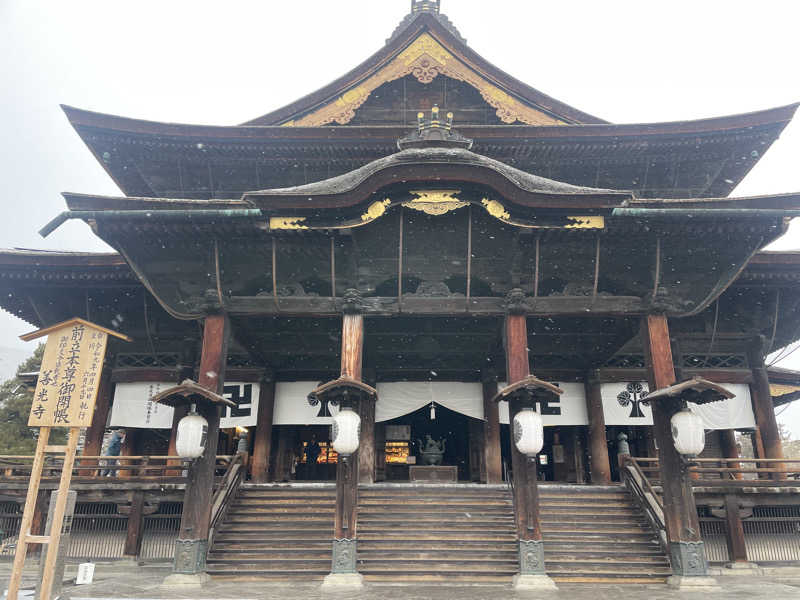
(439, 247)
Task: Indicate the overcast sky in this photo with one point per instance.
(223, 63)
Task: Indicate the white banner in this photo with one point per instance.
(568, 408)
(626, 404)
(133, 407)
(245, 396)
(292, 407)
(401, 398)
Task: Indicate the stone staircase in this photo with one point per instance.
(278, 532)
(596, 534)
(436, 534)
(456, 534)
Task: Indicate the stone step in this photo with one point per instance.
(451, 579)
(404, 570)
(445, 553)
(449, 536)
(251, 555)
(249, 563)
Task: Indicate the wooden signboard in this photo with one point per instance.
(65, 396)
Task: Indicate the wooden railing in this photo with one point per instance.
(729, 472)
(636, 480)
(746, 472)
(164, 469)
(226, 491)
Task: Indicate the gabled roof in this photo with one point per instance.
(426, 46)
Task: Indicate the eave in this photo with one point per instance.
(701, 158)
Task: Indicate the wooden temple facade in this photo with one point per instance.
(430, 229)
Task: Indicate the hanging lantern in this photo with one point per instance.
(688, 434)
(433, 411)
(192, 435)
(345, 431)
(528, 432)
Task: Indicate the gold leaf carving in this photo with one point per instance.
(287, 223)
(588, 222)
(425, 58)
(435, 202)
(375, 210)
(494, 208)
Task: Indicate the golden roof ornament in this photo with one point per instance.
(436, 132)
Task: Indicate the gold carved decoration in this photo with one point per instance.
(494, 208)
(435, 202)
(375, 210)
(287, 223)
(586, 223)
(425, 58)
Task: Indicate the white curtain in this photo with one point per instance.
(404, 397)
(292, 407)
(736, 413)
(568, 409)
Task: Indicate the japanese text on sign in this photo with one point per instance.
(69, 377)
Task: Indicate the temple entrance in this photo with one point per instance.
(563, 458)
(406, 437)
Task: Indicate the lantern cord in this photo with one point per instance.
(774, 320)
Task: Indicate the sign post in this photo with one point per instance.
(65, 396)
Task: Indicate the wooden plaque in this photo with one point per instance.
(70, 374)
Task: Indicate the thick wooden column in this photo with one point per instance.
(191, 546)
(687, 552)
(366, 446)
(493, 457)
(347, 470)
(526, 491)
(599, 464)
(262, 440)
(730, 449)
(763, 408)
(734, 531)
(133, 537)
(94, 434)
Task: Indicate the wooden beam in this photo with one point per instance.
(730, 449)
(680, 513)
(94, 434)
(763, 408)
(493, 459)
(133, 536)
(734, 530)
(600, 466)
(192, 543)
(352, 345)
(262, 440)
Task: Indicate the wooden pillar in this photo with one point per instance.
(687, 552)
(94, 434)
(730, 449)
(133, 537)
(262, 440)
(366, 446)
(763, 408)
(526, 491)
(599, 464)
(492, 471)
(128, 448)
(380, 451)
(191, 546)
(734, 531)
(347, 469)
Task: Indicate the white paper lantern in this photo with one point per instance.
(528, 432)
(345, 431)
(688, 434)
(192, 436)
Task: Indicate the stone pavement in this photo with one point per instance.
(143, 582)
